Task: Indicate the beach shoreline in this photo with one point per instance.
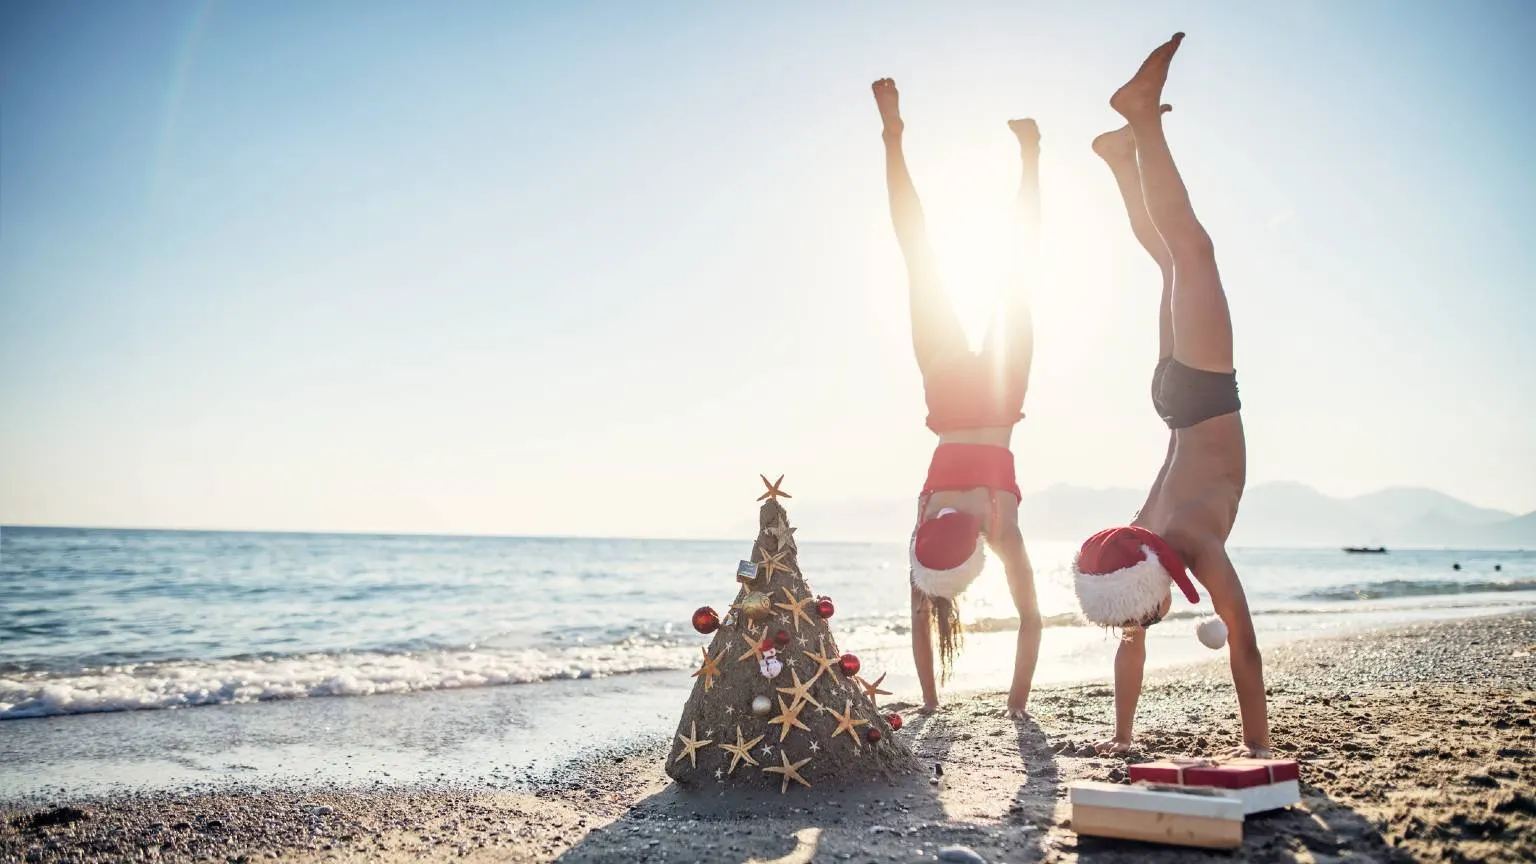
(1417, 743)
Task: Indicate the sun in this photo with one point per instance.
(980, 250)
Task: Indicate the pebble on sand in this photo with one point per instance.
(963, 854)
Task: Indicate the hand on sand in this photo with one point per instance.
(1112, 746)
(1141, 97)
(888, 100)
(1246, 752)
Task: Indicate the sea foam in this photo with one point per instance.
(180, 684)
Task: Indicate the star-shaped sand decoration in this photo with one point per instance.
(781, 532)
(691, 744)
(796, 609)
(789, 771)
(771, 564)
(740, 751)
(801, 692)
(846, 723)
(872, 690)
(708, 669)
(756, 654)
(788, 717)
(773, 489)
(823, 662)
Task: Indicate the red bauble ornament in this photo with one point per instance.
(705, 620)
(765, 645)
(781, 638)
(849, 664)
(872, 735)
(893, 720)
(824, 607)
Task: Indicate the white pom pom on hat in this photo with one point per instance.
(1212, 632)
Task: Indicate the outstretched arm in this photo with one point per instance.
(1215, 571)
(1130, 662)
(922, 650)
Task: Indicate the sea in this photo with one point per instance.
(161, 659)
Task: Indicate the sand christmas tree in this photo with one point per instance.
(775, 702)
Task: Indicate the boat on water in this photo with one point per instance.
(1366, 550)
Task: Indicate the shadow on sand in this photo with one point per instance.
(903, 818)
(1320, 830)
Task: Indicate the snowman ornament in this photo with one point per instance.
(769, 664)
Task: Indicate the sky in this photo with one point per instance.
(590, 268)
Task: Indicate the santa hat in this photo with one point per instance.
(948, 553)
(1122, 574)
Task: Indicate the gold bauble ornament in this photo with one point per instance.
(755, 605)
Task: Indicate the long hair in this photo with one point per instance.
(944, 619)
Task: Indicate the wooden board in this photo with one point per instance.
(1150, 827)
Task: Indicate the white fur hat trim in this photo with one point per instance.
(1125, 596)
(950, 583)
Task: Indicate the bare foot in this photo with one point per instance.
(1027, 131)
(887, 100)
(1113, 746)
(928, 708)
(1119, 145)
(1141, 97)
(1246, 752)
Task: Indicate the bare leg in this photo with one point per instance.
(936, 328)
(1118, 150)
(1202, 324)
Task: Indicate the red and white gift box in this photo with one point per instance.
(1261, 784)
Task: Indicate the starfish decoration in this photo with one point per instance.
(815, 747)
(788, 717)
(773, 489)
(691, 744)
(771, 563)
(872, 690)
(756, 643)
(796, 609)
(719, 776)
(740, 750)
(729, 710)
(846, 723)
(781, 532)
(823, 662)
(800, 692)
(789, 772)
(708, 669)
(766, 749)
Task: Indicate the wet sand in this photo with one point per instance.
(1417, 744)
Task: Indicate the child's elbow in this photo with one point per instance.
(1245, 648)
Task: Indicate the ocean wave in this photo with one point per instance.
(183, 684)
(1417, 588)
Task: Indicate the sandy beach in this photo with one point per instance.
(1417, 744)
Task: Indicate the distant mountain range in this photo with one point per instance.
(1273, 514)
